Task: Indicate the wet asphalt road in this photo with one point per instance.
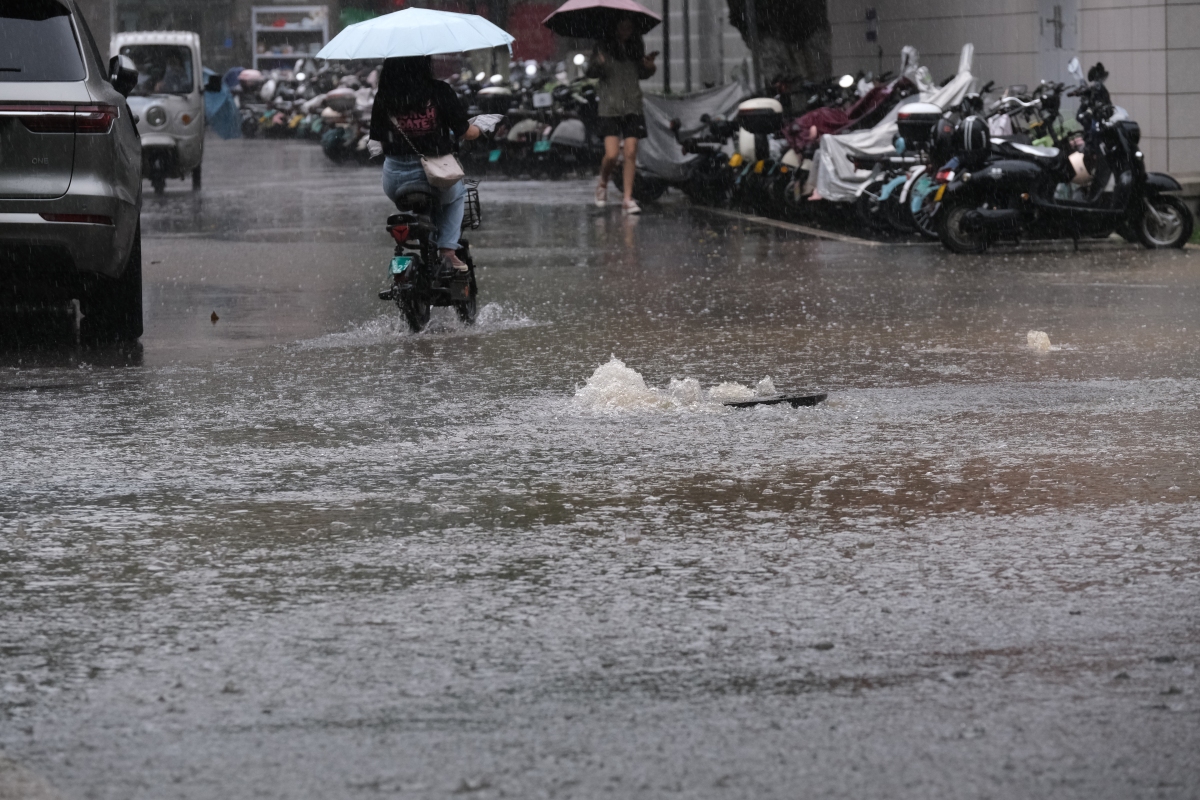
(299, 553)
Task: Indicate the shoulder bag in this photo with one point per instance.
(442, 172)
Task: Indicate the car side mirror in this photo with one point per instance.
(122, 74)
(213, 84)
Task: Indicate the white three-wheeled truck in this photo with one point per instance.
(168, 101)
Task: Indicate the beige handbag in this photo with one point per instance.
(442, 172)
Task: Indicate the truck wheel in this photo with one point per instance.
(196, 179)
(112, 308)
(1170, 226)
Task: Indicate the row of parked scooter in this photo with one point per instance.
(548, 128)
(970, 168)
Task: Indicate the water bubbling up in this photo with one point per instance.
(616, 387)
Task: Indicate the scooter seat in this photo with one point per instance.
(417, 202)
(1034, 150)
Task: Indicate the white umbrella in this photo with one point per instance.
(415, 32)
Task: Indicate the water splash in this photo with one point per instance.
(616, 387)
(390, 326)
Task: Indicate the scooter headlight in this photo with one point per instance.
(1138, 155)
(156, 116)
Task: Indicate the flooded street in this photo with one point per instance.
(293, 551)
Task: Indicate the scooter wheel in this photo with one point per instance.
(870, 209)
(922, 210)
(468, 310)
(415, 310)
(1170, 225)
(954, 236)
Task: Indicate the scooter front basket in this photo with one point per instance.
(472, 213)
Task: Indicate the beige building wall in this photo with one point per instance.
(1004, 33)
(1151, 48)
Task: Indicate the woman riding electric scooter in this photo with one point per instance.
(417, 115)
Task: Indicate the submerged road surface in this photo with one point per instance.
(300, 553)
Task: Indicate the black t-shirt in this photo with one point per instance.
(432, 130)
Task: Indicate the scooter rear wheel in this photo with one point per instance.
(954, 236)
(415, 310)
(1172, 227)
(922, 209)
(870, 209)
(467, 310)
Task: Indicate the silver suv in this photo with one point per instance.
(70, 171)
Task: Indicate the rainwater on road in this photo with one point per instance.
(297, 552)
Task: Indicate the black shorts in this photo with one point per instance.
(629, 126)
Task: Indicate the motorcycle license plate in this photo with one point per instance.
(401, 263)
(542, 146)
(493, 156)
(937, 198)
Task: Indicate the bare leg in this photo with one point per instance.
(612, 146)
(631, 147)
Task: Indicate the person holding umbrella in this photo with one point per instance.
(417, 118)
(620, 61)
(417, 115)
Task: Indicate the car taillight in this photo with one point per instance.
(95, 119)
(89, 219)
(42, 119)
(63, 119)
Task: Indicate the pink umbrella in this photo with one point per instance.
(597, 19)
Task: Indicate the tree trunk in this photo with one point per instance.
(793, 36)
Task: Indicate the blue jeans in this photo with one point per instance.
(407, 175)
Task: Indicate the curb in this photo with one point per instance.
(816, 233)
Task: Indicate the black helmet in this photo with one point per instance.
(971, 139)
(971, 135)
(1097, 73)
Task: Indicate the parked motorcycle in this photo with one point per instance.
(709, 180)
(1016, 190)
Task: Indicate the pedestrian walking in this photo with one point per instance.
(620, 61)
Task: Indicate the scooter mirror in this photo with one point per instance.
(1075, 70)
(846, 82)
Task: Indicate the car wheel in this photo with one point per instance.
(112, 308)
(1170, 225)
